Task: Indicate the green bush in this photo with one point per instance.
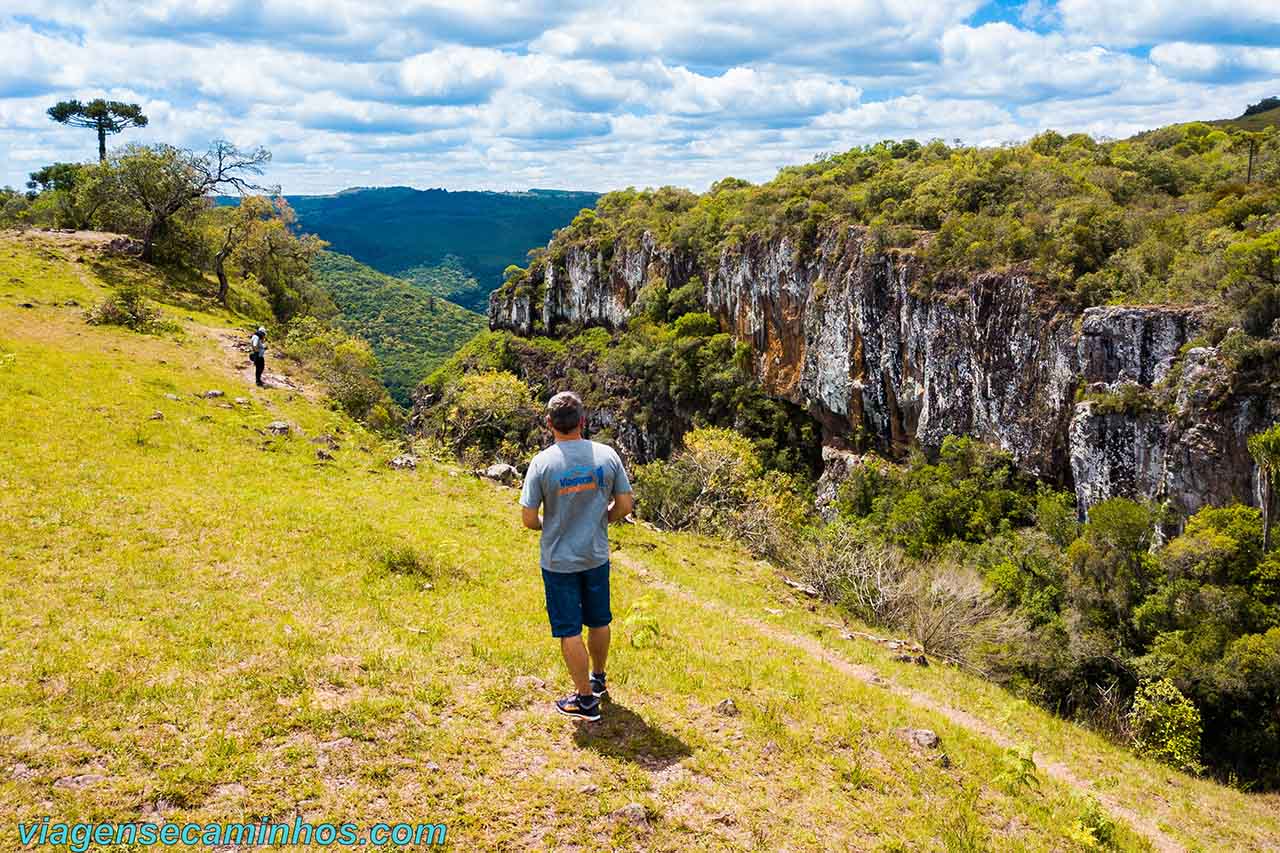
(708, 477)
(1166, 726)
(1094, 829)
(970, 493)
(347, 369)
(716, 483)
(129, 307)
(696, 325)
(490, 413)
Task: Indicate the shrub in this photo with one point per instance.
(1241, 729)
(707, 477)
(346, 367)
(487, 412)
(970, 493)
(698, 324)
(685, 299)
(1094, 829)
(1166, 725)
(717, 484)
(867, 578)
(642, 626)
(129, 307)
(953, 614)
(1017, 771)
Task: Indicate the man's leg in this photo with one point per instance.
(598, 644)
(575, 657)
(564, 608)
(258, 364)
(597, 615)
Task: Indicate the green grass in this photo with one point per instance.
(222, 626)
(411, 331)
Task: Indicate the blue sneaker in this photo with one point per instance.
(580, 707)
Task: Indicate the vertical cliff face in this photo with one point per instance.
(1178, 433)
(844, 332)
(883, 359)
(586, 287)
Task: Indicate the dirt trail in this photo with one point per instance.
(1159, 839)
(235, 345)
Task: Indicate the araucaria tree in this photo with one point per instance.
(161, 181)
(105, 117)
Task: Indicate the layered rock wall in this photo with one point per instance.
(1110, 401)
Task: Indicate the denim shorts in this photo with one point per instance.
(575, 599)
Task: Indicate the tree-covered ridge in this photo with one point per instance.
(397, 229)
(1174, 215)
(411, 332)
(448, 279)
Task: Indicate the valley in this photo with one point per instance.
(205, 619)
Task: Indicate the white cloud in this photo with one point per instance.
(33, 64)
(504, 93)
(764, 94)
(1134, 22)
(719, 34)
(1001, 61)
(1216, 62)
(452, 74)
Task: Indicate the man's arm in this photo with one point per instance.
(623, 502)
(531, 497)
(621, 506)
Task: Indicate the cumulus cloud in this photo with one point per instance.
(999, 60)
(715, 34)
(1138, 22)
(1217, 63)
(452, 75)
(33, 64)
(511, 93)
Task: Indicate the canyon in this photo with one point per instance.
(1109, 400)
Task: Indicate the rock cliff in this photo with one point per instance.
(1112, 402)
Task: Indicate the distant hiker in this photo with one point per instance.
(581, 487)
(258, 354)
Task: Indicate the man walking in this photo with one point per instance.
(581, 487)
(258, 353)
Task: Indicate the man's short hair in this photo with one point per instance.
(565, 410)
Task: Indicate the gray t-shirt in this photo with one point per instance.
(574, 481)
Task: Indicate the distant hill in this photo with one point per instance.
(1259, 120)
(407, 232)
(411, 331)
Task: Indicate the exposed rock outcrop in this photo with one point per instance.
(1178, 433)
(1109, 401)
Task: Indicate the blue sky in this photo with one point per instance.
(495, 94)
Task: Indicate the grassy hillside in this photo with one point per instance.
(1260, 120)
(394, 229)
(411, 332)
(203, 621)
